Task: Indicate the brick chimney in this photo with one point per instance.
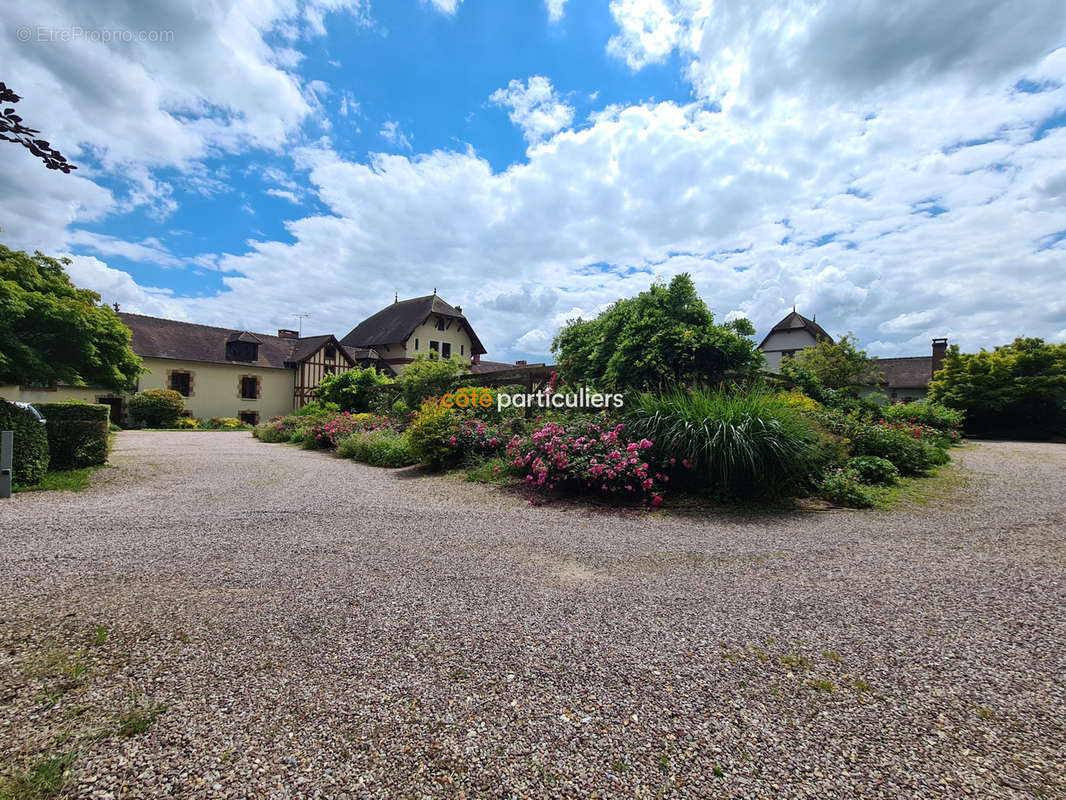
(284, 333)
(458, 309)
(940, 347)
(477, 358)
(520, 363)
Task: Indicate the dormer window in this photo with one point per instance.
(242, 347)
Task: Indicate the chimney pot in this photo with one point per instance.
(459, 309)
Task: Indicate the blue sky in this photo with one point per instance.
(896, 169)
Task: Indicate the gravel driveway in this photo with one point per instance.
(217, 617)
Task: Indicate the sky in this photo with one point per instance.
(896, 169)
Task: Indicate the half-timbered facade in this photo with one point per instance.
(314, 358)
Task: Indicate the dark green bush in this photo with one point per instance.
(873, 469)
(30, 458)
(743, 443)
(77, 433)
(841, 486)
(156, 408)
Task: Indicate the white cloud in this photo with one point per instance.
(556, 9)
(902, 197)
(116, 286)
(445, 6)
(535, 107)
(648, 31)
(284, 194)
(392, 134)
(148, 251)
(214, 83)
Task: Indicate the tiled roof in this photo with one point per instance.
(911, 372)
(154, 337)
(362, 353)
(308, 345)
(484, 367)
(396, 322)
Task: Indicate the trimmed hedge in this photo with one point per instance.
(30, 459)
(77, 433)
(156, 408)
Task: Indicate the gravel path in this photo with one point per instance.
(317, 628)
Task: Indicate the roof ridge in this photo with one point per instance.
(200, 324)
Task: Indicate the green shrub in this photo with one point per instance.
(272, 432)
(910, 455)
(873, 469)
(925, 412)
(156, 408)
(742, 443)
(77, 433)
(429, 436)
(494, 470)
(841, 486)
(30, 457)
(354, 390)
(380, 448)
(317, 408)
(430, 376)
(222, 424)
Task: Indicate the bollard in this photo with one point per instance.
(7, 452)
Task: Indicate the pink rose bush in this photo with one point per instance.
(331, 431)
(590, 457)
(480, 438)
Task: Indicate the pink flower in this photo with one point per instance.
(657, 500)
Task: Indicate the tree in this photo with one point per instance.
(352, 390)
(429, 375)
(53, 332)
(12, 130)
(1017, 389)
(830, 365)
(665, 335)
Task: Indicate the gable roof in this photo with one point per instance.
(309, 345)
(397, 321)
(154, 337)
(794, 321)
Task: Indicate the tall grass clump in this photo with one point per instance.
(379, 448)
(741, 443)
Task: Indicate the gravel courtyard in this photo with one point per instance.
(217, 617)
